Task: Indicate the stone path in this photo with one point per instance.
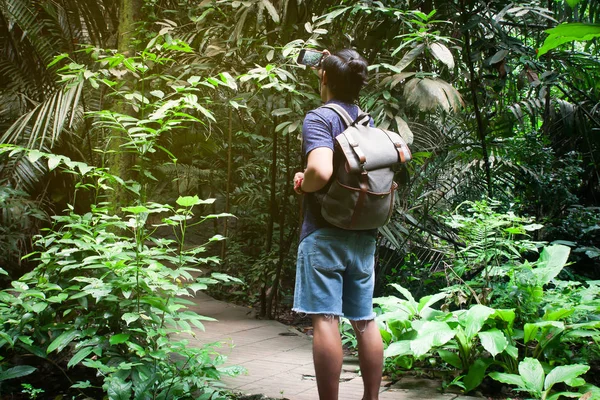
(279, 358)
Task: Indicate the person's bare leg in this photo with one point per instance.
(370, 356)
(327, 355)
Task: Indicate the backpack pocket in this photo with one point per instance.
(348, 207)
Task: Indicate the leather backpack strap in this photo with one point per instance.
(363, 119)
(401, 147)
(362, 197)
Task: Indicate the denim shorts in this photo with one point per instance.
(335, 274)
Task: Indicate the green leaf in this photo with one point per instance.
(574, 395)
(450, 357)
(552, 260)
(195, 287)
(510, 379)
(493, 341)
(475, 376)
(404, 292)
(475, 318)
(499, 56)
(17, 372)
(39, 307)
(281, 111)
(118, 389)
(410, 57)
(135, 209)
(119, 338)
(505, 315)
(564, 373)
(400, 348)
(555, 315)
(57, 59)
(79, 356)
(228, 80)
(428, 301)
(188, 201)
(572, 3)
(272, 10)
(567, 33)
(225, 278)
(530, 332)
(62, 341)
(53, 161)
(431, 334)
(34, 155)
(82, 385)
(532, 373)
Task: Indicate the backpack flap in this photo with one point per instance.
(367, 148)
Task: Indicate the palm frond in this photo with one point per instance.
(42, 126)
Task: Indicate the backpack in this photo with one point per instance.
(360, 194)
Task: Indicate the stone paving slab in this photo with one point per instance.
(278, 359)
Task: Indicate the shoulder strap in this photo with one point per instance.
(341, 112)
(362, 119)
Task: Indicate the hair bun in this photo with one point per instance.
(357, 65)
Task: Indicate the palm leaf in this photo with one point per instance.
(43, 125)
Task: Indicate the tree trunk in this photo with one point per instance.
(228, 187)
(271, 222)
(283, 249)
(119, 162)
(473, 86)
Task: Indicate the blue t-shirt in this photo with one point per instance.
(319, 129)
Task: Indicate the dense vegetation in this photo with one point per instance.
(148, 148)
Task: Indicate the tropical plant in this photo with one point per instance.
(110, 295)
(533, 379)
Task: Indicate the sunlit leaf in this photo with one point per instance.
(442, 53)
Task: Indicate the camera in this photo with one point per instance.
(310, 58)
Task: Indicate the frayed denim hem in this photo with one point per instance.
(327, 314)
(358, 322)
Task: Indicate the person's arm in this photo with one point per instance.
(318, 144)
(319, 169)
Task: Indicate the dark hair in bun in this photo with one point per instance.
(346, 74)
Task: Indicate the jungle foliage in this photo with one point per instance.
(118, 117)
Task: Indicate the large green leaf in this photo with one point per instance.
(567, 33)
(410, 56)
(552, 260)
(428, 301)
(431, 334)
(573, 395)
(564, 373)
(476, 373)
(62, 341)
(79, 356)
(475, 318)
(404, 292)
(399, 348)
(505, 315)
(493, 341)
(16, 372)
(119, 338)
(450, 357)
(532, 373)
(510, 379)
(531, 330)
(118, 389)
(430, 94)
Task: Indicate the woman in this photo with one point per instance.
(335, 267)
